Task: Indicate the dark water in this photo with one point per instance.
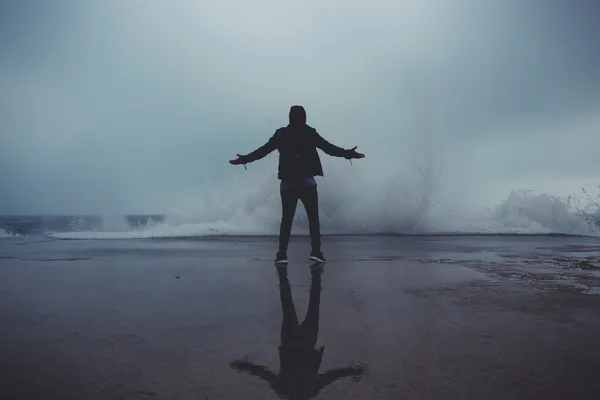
(38, 225)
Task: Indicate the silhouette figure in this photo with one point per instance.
(299, 163)
(299, 360)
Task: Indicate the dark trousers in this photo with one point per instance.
(289, 201)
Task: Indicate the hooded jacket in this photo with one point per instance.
(297, 144)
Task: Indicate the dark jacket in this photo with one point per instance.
(297, 145)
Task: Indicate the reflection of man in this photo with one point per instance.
(299, 360)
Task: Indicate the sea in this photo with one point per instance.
(97, 227)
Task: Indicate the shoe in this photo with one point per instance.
(317, 256)
(281, 258)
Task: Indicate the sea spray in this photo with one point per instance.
(401, 211)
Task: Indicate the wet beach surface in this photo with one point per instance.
(483, 317)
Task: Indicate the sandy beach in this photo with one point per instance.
(399, 317)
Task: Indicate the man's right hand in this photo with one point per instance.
(352, 153)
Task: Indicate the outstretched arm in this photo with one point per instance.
(257, 370)
(336, 151)
(257, 154)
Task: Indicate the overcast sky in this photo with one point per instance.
(135, 106)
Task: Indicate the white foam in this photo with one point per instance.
(4, 234)
(161, 230)
(519, 213)
(405, 203)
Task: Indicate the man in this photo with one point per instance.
(299, 163)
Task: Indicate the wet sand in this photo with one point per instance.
(397, 317)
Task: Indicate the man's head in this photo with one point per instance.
(297, 115)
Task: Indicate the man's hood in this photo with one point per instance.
(297, 115)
